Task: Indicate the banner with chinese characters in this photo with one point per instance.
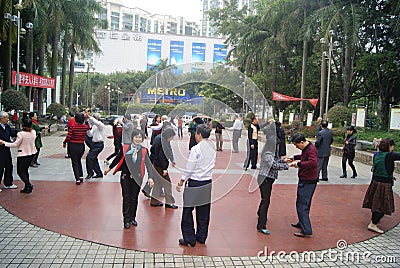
(280, 97)
(176, 55)
(32, 80)
(153, 53)
(220, 53)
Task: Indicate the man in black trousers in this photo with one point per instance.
(197, 178)
(6, 166)
(252, 144)
(323, 144)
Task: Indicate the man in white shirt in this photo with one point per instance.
(197, 194)
(237, 132)
(97, 135)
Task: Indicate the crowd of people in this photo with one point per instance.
(133, 158)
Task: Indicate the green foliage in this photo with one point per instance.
(338, 114)
(297, 124)
(14, 100)
(379, 134)
(56, 109)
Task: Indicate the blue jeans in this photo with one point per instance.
(305, 193)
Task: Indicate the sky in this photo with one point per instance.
(189, 9)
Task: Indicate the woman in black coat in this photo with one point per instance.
(349, 151)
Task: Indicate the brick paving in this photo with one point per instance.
(25, 245)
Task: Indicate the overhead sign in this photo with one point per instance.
(33, 80)
(176, 55)
(220, 53)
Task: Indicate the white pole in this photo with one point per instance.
(329, 74)
(18, 46)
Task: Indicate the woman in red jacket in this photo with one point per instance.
(76, 145)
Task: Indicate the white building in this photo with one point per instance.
(138, 51)
(120, 17)
(206, 28)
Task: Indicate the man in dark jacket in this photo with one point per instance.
(6, 166)
(307, 163)
(162, 154)
(323, 144)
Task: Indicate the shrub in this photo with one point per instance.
(338, 114)
(56, 109)
(14, 100)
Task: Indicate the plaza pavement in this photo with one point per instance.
(25, 245)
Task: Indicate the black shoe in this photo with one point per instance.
(171, 206)
(343, 176)
(81, 179)
(26, 190)
(185, 243)
(34, 166)
(97, 176)
(37, 164)
(127, 225)
(297, 225)
(200, 241)
(354, 176)
(134, 223)
(253, 167)
(145, 194)
(78, 182)
(157, 205)
(88, 177)
(325, 179)
(67, 156)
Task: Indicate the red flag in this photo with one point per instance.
(280, 97)
(313, 102)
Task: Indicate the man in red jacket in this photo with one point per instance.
(307, 163)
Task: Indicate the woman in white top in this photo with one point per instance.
(25, 143)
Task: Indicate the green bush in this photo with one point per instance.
(56, 109)
(14, 100)
(338, 114)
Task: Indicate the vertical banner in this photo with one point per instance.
(291, 118)
(176, 55)
(281, 116)
(353, 119)
(220, 53)
(394, 118)
(153, 53)
(309, 118)
(198, 55)
(360, 121)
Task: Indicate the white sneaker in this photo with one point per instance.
(106, 163)
(12, 186)
(374, 228)
(1, 190)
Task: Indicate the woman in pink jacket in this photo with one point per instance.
(26, 150)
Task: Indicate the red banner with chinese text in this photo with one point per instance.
(280, 97)
(32, 80)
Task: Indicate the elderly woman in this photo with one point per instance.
(38, 140)
(26, 150)
(379, 196)
(349, 152)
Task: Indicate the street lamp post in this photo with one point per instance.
(330, 50)
(17, 19)
(108, 87)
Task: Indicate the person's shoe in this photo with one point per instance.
(297, 225)
(301, 235)
(26, 191)
(37, 164)
(324, 179)
(34, 166)
(375, 228)
(67, 156)
(1, 190)
(185, 243)
(253, 167)
(134, 223)
(106, 163)
(12, 186)
(97, 176)
(171, 206)
(127, 225)
(354, 176)
(200, 241)
(88, 177)
(264, 231)
(78, 182)
(145, 194)
(343, 176)
(157, 205)
(81, 179)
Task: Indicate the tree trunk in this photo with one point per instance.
(303, 76)
(7, 62)
(347, 75)
(64, 67)
(71, 77)
(54, 60)
(385, 98)
(41, 73)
